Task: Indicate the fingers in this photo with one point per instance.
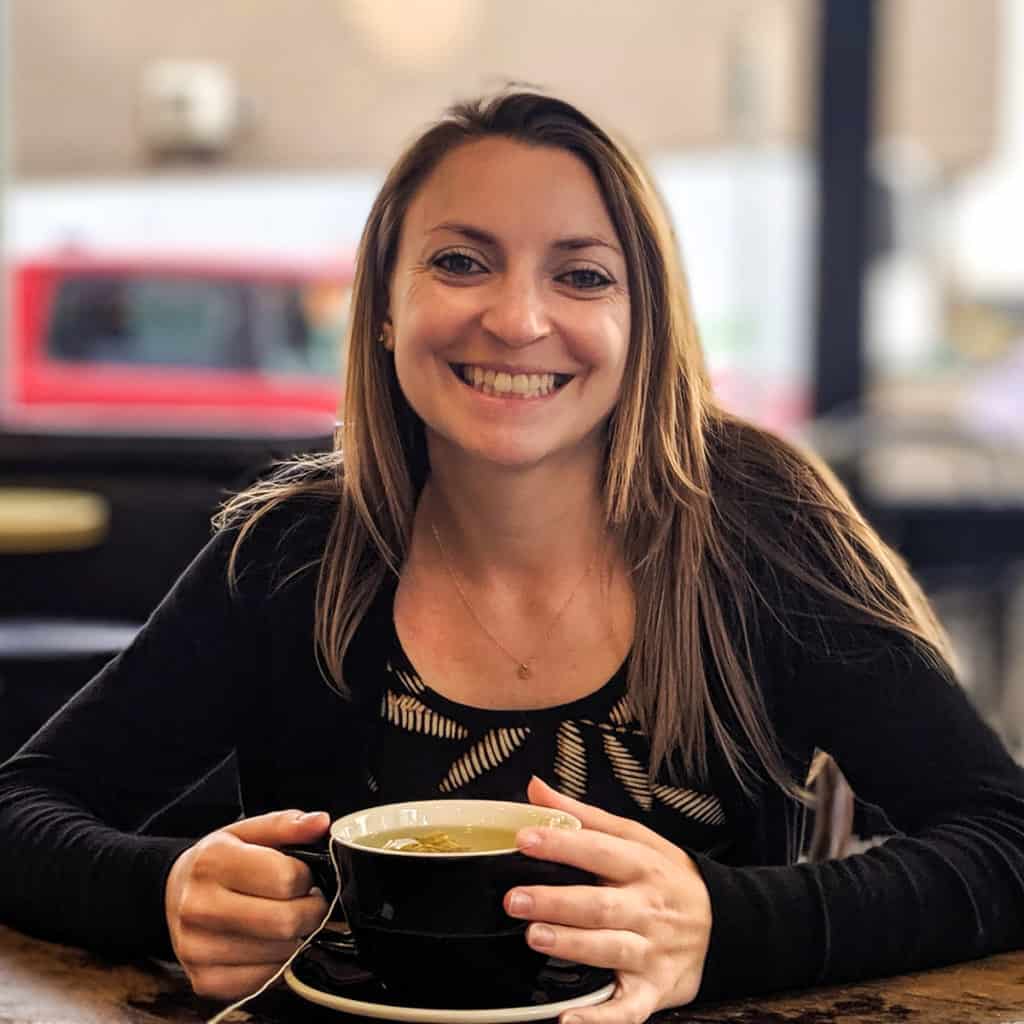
(255, 870)
(578, 906)
(540, 793)
(593, 818)
(610, 857)
(237, 908)
(228, 983)
(626, 852)
(611, 948)
(650, 921)
(279, 828)
(232, 946)
(235, 914)
(200, 949)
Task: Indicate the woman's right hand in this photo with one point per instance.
(237, 907)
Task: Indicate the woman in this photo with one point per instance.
(540, 549)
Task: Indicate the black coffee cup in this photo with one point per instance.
(430, 925)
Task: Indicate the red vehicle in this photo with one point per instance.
(151, 345)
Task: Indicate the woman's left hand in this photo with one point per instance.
(650, 920)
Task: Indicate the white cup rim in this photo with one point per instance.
(349, 828)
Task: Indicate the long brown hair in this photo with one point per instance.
(695, 496)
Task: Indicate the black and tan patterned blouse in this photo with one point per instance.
(591, 749)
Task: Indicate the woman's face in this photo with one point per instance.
(509, 306)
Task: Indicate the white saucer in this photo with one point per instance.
(422, 1015)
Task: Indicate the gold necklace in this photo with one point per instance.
(523, 669)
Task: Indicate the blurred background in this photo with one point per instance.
(183, 187)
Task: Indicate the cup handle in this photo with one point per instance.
(318, 860)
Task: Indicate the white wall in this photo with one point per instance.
(987, 220)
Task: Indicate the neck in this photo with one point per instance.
(534, 523)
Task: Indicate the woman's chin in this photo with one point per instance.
(514, 450)
(512, 458)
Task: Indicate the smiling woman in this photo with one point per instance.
(541, 548)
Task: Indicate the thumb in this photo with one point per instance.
(540, 793)
(280, 828)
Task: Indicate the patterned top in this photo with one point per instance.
(591, 749)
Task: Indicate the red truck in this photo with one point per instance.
(174, 345)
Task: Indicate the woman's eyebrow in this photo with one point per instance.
(586, 242)
(467, 230)
(486, 238)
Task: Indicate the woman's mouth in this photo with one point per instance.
(510, 385)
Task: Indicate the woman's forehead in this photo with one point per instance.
(506, 186)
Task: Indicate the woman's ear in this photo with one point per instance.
(387, 336)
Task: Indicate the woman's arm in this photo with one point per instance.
(155, 720)
(950, 887)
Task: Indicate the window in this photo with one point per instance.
(300, 327)
(150, 321)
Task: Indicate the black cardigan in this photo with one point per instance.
(214, 672)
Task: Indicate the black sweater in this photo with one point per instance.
(214, 672)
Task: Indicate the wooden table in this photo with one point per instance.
(41, 983)
(37, 520)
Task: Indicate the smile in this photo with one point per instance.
(510, 385)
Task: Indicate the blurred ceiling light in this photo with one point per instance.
(421, 35)
(188, 108)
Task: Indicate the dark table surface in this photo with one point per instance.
(41, 983)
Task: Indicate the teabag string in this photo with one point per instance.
(279, 973)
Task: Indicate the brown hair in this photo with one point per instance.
(696, 496)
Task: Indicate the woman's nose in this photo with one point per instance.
(516, 313)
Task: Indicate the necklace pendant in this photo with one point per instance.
(523, 671)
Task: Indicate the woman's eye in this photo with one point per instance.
(458, 263)
(585, 279)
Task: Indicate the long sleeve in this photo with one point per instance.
(948, 887)
(73, 866)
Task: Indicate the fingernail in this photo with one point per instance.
(528, 838)
(519, 903)
(308, 816)
(316, 891)
(572, 1019)
(541, 935)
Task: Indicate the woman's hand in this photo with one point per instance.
(237, 908)
(650, 921)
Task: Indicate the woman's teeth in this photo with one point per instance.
(518, 385)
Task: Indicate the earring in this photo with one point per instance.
(385, 338)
